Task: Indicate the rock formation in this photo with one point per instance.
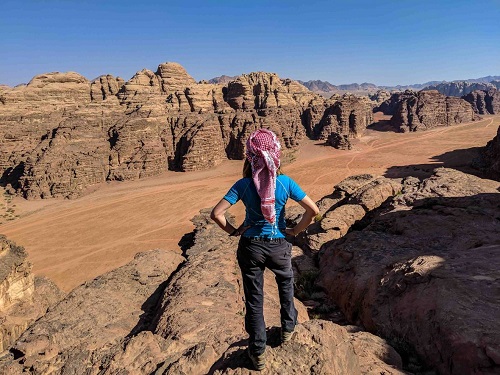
(23, 297)
(380, 97)
(62, 133)
(490, 158)
(165, 314)
(349, 202)
(484, 102)
(459, 88)
(421, 270)
(428, 109)
(341, 118)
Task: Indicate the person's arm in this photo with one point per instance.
(311, 211)
(218, 215)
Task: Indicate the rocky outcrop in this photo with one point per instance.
(390, 104)
(429, 109)
(340, 118)
(349, 202)
(485, 102)
(490, 158)
(423, 271)
(23, 298)
(92, 320)
(265, 90)
(459, 88)
(380, 97)
(62, 133)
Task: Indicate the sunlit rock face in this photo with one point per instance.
(421, 268)
(414, 111)
(62, 133)
(23, 298)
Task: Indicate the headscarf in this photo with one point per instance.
(263, 152)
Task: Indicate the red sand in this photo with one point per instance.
(72, 241)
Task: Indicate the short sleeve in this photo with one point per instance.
(234, 194)
(296, 193)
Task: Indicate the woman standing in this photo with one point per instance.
(264, 191)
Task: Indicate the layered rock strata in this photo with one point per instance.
(349, 202)
(484, 102)
(77, 334)
(341, 117)
(428, 109)
(23, 297)
(62, 133)
(424, 272)
(459, 88)
(158, 315)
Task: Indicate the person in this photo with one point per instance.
(264, 190)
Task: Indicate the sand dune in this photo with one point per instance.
(72, 241)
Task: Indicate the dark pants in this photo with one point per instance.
(254, 255)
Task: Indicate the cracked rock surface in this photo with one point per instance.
(425, 272)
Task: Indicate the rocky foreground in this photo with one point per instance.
(422, 269)
(415, 262)
(167, 314)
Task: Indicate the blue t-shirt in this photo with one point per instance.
(245, 190)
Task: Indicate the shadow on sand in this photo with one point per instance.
(464, 160)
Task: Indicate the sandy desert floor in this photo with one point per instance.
(72, 241)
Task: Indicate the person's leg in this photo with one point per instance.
(279, 262)
(251, 262)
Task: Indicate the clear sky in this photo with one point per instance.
(382, 42)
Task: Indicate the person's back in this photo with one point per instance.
(245, 190)
(264, 191)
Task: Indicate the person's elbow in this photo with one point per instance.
(213, 214)
(313, 210)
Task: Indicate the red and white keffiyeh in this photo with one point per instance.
(263, 152)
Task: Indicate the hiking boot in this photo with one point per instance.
(286, 336)
(258, 360)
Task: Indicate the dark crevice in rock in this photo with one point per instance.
(16, 353)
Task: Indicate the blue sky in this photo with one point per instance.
(383, 42)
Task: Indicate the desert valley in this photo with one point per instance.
(108, 184)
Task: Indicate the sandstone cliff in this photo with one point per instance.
(428, 109)
(459, 88)
(338, 120)
(484, 102)
(490, 158)
(62, 133)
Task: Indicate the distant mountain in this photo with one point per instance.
(482, 79)
(223, 79)
(454, 88)
(460, 88)
(444, 87)
(317, 85)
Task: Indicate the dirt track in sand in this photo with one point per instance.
(72, 241)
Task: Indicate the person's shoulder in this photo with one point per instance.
(243, 181)
(284, 178)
